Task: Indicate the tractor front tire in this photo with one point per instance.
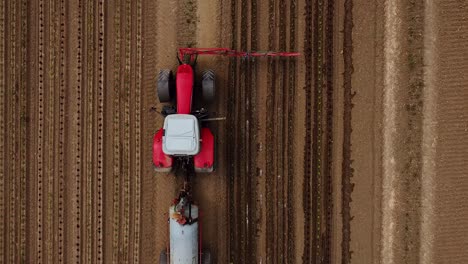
(165, 85)
(163, 257)
(208, 85)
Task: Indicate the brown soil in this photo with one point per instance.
(354, 152)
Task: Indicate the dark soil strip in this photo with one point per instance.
(347, 186)
(281, 130)
(317, 132)
(270, 175)
(327, 159)
(242, 154)
(308, 132)
(253, 172)
(231, 148)
(290, 250)
(411, 181)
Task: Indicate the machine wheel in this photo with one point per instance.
(165, 85)
(208, 85)
(206, 258)
(163, 257)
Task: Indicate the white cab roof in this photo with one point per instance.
(181, 135)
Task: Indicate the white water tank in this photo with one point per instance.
(183, 238)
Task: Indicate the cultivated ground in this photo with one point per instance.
(354, 152)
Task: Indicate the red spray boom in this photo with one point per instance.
(191, 53)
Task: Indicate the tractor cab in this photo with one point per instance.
(181, 135)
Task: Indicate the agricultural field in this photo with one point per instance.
(354, 152)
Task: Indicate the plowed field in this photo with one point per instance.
(353, 152)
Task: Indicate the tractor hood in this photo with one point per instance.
(181, 136)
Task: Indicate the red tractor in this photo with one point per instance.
(182, 137)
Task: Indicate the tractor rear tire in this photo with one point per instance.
(208, 85)
(163, 257)
(165, 85)
(206, 257)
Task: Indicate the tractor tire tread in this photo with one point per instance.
(164, 85)
(208, 85)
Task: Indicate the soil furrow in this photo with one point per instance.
(2, 129)
(307, 203)
(317, 142)
(61, 138)
(327, 158)
(50, 123)
(78, 151)
(23, 121)
(291, 94)
(126, 157)
(116, 135)
(253, 172)
(230, 135)
(11, 130)
(243, 155)
(137, 141)
(347, 186)
(99, 207)
(281, 124)
(40, 137)
(270, 173)
(88, 145)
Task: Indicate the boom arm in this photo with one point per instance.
(190, 54)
